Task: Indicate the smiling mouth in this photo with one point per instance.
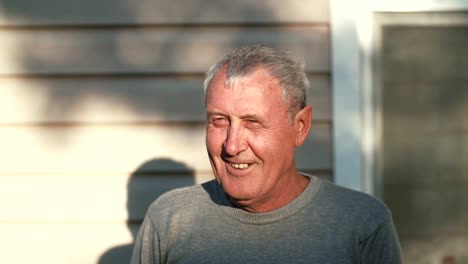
(241, 166)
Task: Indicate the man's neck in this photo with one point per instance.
(291, 190)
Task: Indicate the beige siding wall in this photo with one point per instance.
(101, 110)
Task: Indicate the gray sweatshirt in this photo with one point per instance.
(325, 224)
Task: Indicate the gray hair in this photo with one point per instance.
(242, 62)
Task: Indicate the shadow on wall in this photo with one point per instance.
(144, 186)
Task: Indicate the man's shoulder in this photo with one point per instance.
(180, 199)
(363, 207)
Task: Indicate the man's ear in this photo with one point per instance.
(302, 124)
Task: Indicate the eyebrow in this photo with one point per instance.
(254, 117)
(250, 116)
(212, 113)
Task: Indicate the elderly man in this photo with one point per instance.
(260, 208)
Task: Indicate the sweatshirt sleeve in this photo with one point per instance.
(146, 249)
(382, 246)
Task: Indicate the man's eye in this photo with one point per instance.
(252, 123)
(219, 121)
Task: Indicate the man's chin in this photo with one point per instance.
(240, 194)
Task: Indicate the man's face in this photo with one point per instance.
(250, 138)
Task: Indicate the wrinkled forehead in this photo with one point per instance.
(259, 78)
(253, 97)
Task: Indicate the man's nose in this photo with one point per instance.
(235, 140)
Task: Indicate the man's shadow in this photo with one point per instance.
(151, 179)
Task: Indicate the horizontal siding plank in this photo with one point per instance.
(149, 50)
(89, 12)
(120, 100)
(104, 149)
(71, 243)
(89, 197)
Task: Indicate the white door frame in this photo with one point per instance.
(353, 111)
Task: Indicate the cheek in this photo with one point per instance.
(261, 146)
(214, 141)
(274, 147)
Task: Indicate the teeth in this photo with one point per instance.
(241, 166)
